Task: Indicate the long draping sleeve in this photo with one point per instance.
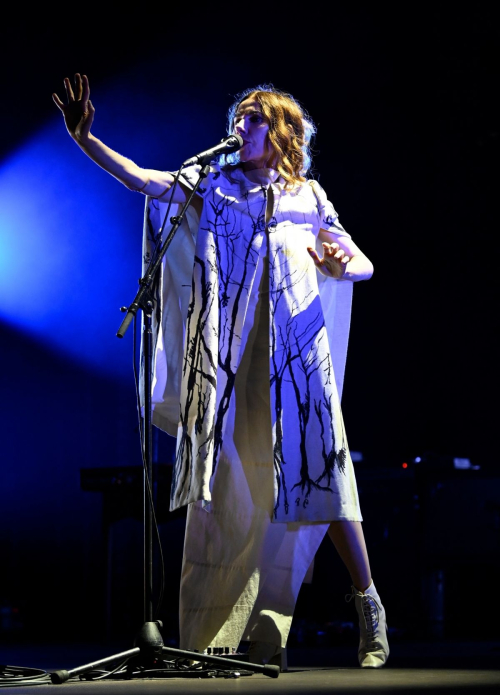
(171, 294)
(335, 295)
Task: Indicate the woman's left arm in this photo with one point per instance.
(342, 259)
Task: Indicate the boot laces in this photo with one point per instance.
(371, 616)
(370, 613)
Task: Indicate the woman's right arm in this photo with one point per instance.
(79, 115)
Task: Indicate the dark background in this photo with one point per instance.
(406, 107)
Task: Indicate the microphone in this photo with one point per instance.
(227, 145)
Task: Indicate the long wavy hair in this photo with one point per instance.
(291, 131)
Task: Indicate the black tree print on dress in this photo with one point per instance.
(296, 356)
(224, 277)
(211, 295)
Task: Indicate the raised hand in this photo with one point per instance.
(334, 260)
(78, 112)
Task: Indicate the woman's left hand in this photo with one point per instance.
(334, 261)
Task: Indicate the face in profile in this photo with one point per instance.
(251, 124)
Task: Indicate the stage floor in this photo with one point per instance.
(429, 667)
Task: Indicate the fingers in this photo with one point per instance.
(334, 261)
(82, 88)
(334, 251)
(313, 254)
(86, 88)
(78, 86)
(329, 251)
(81, 91)
(57, 101)
(69, 89)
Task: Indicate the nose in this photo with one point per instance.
(239, 126)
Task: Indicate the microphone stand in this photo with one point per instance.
(148, 645)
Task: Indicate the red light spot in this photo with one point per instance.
(405, 465)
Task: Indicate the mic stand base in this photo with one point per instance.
(149, 650)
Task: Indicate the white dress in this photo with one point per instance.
(250, 346)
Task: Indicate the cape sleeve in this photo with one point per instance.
(171, 295)
(335, 295)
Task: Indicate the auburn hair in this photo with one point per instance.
(290, 131)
